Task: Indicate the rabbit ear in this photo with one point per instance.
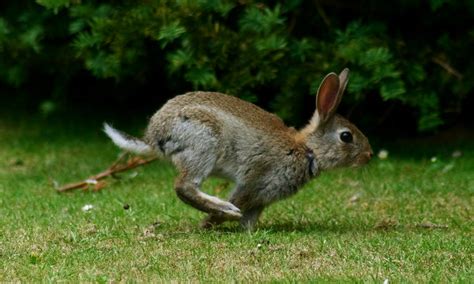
(343, 79)
(327, 99)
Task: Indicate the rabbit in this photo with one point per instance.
(209, 133)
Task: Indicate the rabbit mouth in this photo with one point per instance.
(362, 159)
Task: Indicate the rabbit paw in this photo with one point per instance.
(230, 211)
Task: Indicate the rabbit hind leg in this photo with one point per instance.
(213, 220)
(195, 165)
(250, 212)
(189, 192)
(248, 220)
(195, 151)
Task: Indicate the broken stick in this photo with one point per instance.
(118, 166)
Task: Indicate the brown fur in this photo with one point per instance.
(250, 114)
(205, 133)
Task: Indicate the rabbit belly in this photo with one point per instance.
(266, 189)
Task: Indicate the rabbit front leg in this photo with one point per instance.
(251, 208)
(250, 217)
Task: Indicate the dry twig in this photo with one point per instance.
(446, 66)
(322, 14)
(120, 165)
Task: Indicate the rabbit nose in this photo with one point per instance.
(370, 154)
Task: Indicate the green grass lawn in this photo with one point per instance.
(405, 219)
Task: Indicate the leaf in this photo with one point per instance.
(271, 43)
(416, 73)
(104, 65)
(32, 37)
(170, 32)
(429, 117)
(301, 49)
(261, 20)
(201, 77)
(392, 89)
(55, 5)
(219, 6)
(375, 56)
(77, 26)
(429, 120)
(179, 59)
(358, 83)
(86, 40)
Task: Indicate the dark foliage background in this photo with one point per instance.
(411, 60)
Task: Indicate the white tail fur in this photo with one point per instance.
(126, 142)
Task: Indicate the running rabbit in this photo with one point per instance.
(206, 133)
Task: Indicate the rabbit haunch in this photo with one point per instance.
(206, 133)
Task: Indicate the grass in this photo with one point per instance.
(368, 224)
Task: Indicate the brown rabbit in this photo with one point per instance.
(206, 133)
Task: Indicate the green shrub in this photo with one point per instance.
(257, 50)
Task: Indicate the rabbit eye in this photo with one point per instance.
(346, 137)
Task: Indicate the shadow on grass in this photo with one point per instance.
(329, 228)
(314, 227)
(186, 229)
(301, 227)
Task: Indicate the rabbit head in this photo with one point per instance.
(334, 140)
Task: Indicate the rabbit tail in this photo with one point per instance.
(126, 142)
